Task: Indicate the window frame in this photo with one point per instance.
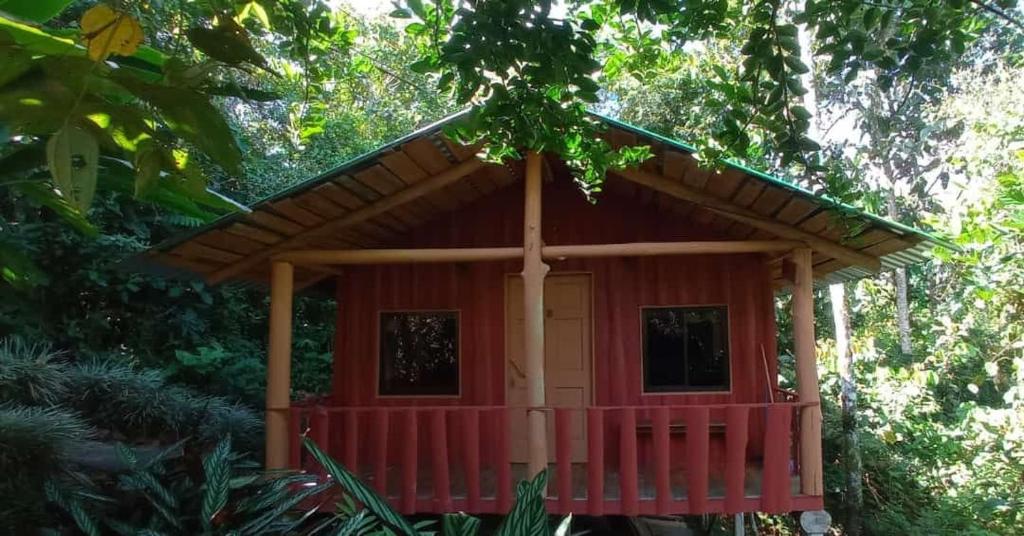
(647, 390)
(378, 349)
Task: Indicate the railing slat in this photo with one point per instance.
(410, 458)
(563, 457)
(628, 484)
(471, 447)
(350, 456)
(294, 438)
(595, 461)
(736, 429)
(380, 448)
(504, 461)
(439, 454)
(320, 431)
(662, 467)
(775, 486)
(697, 424)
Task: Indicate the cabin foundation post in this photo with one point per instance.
(534, 271)
(811, 479)
(279, 364)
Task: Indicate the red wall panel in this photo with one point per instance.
(621, 287)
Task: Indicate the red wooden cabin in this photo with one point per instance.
(492, 322)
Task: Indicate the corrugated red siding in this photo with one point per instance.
(621, 287)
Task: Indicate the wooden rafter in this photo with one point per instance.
(751, 218)
(357, 216)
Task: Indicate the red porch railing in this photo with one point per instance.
(661, 460)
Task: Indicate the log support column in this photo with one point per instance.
(811, 480)
(534, 271)
(279, 365)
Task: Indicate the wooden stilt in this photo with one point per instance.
(534, 271)
(279, 363)
(811, 480)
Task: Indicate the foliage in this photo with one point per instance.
(35, 443)
(528, 514)
(119, 400)
(222, 494)
(495, 56)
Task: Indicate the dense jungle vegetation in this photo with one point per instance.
(118, 120)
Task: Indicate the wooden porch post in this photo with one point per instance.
(534, 271)
(811, 480)
(279, 364)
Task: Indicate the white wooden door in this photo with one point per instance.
(567, 357)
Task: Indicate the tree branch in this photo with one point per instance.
(998, 13)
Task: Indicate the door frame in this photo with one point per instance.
(505, 331)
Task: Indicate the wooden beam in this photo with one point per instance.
(318, 259)
(399, 256)
(358, 215)
(646, 249)
(811, 480)
(279, 362)
(534, 271)
(751, 218)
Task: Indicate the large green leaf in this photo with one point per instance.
(34, 10)
(190, 115)
(360, 492)
(72, 154)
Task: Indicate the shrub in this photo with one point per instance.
(34, 445)
(32, 374)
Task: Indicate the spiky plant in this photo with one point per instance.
(35, 443)
(31, 373)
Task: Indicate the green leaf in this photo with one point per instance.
(190, 115)
(801, 113)
(72, 154)
(359, 491)
(459, 525)
(34, 10)
(228, 43)
(796, 65)
(528, 514)
(217, 470)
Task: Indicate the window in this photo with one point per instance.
(419, 353)
(685, 349)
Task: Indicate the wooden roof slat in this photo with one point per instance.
(673, 164)
(770, 200)
(724, 184)
(255, 233)
(291, 210)
(748, 193)
(274, 222)
(196, 251)
(339, 195)
(796, 209)
(458, 150)
(694, 176)
(617, 138)
(426, 155)
(380, 179)
(403, 167)
(226, 241)
(320, 205)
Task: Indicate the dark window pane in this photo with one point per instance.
(685, 348)
(419, 353)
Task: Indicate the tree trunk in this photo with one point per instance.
(899, 279)
(846, 362)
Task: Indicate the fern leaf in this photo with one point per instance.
(459, 525)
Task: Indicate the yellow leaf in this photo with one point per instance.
(109, 32)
